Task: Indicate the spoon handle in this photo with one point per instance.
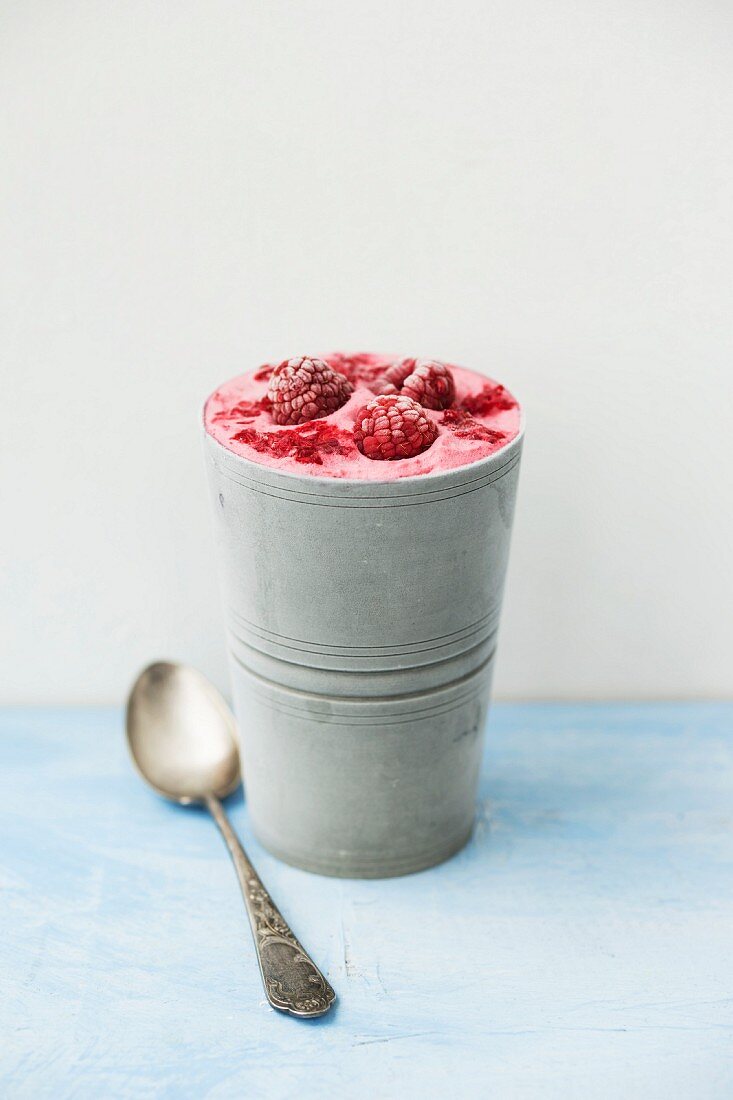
(293, 983)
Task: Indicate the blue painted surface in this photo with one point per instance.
(579, 947)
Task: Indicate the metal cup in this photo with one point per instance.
(362, 619)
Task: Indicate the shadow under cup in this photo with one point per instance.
(362, 619)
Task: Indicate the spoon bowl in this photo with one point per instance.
(182, 735)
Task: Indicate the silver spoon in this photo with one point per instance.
(184, 744)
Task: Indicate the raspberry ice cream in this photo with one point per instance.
(324, 416)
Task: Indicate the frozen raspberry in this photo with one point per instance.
(424, 380)
(393, 426)
(303, 389)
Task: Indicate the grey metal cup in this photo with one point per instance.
(362, 619)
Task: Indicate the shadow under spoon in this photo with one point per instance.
(183, 741)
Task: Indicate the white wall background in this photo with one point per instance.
(542, 190)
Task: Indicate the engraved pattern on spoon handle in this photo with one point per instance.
(293, 983)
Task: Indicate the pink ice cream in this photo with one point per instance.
(483, 419)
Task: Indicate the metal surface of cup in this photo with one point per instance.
(362, 619)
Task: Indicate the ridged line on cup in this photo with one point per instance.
(362, 678)
(365, 710)
(281, 645)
